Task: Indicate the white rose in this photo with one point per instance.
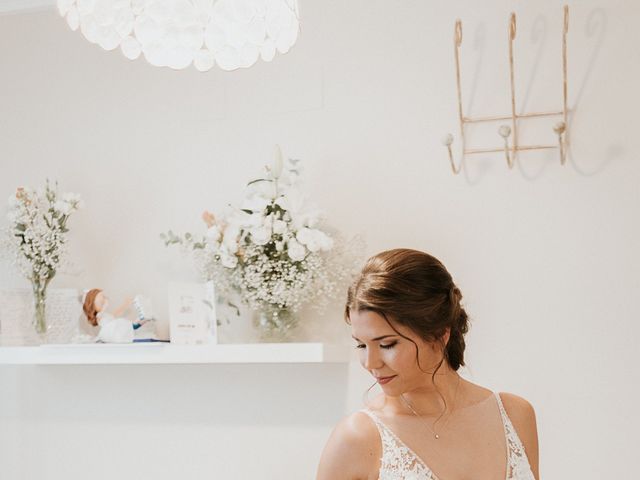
(212, 246)
(295, 251)
(306, 237)
(279, 227)
(260, 235)
(314, 239)
(230, 238)
(324, 241)
(228, 261)
(279, 246)
(213, 233)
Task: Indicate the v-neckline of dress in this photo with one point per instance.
(424, 464)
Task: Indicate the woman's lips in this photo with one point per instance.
(383, 380)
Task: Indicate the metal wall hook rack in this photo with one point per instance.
(507, 132)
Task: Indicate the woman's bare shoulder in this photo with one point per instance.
(523, 417)
(519, 410)
(352, 451)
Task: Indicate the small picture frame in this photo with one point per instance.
(192, 313)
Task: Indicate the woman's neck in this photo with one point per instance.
(436, 396)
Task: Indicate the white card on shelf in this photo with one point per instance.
(192, 313)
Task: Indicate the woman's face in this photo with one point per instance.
(389, 357)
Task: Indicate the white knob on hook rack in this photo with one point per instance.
(560, 128)
(447, 140)
(504, 131)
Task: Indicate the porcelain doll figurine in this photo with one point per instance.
(114, 328)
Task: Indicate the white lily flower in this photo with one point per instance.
(294, 203)
(256, 203)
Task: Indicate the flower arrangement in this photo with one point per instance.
(271, 250)
(36, 238)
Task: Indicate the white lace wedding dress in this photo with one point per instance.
(399, 462)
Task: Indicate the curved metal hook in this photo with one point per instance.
(447, 141)
(512, 26)
(560, 129)
(504, 131)
(457, 36)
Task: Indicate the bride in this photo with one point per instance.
(428, 423)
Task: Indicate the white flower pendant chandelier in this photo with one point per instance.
(177, 33)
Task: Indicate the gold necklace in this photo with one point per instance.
(435, 434)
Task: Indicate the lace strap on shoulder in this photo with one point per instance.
(398, 460)
(508, 426)
(518, 462)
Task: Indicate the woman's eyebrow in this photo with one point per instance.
(375, 339)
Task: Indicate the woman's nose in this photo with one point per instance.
(372, 359)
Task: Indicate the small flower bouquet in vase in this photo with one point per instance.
(272, 251)
(36, 239)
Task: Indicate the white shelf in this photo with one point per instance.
(164, 353)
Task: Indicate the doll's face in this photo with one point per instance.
(101, 302)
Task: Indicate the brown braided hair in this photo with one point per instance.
(89, 306)
(415, 290)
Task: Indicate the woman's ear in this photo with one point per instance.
(445, 337)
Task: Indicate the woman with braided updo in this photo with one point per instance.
(428, 423)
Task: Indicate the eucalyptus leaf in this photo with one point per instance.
(259, 180)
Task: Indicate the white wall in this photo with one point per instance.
(545, 255)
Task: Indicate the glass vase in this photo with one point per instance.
(276, 324)
(40, 313)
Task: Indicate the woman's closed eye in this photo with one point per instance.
(382, 345)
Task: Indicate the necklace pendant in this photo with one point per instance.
(437, 436)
